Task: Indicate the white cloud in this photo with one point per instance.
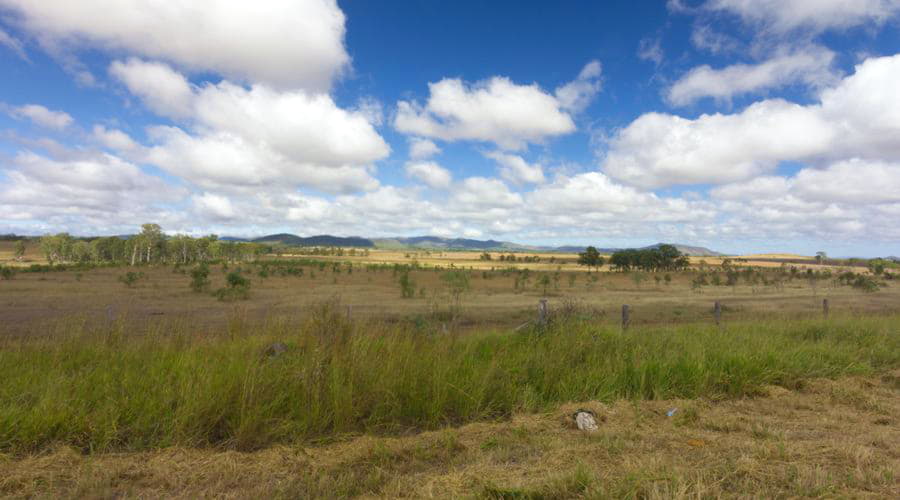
(594, 196)
(98, 186)
(497, 110)
(213, 206)
(163, 90)
(858, 117)
(420, 149)
(259, 136)
(113, 139)
(781, 16)
(224, 160)
(845, 199)
(704, 37)
(659, 149)
(650, 49)
(12, 44)
(852, 181)
(283, 43)
(811, 66)
(516, 170)
(430, 173)
(57, 120)
(476, 193)
(576, 95)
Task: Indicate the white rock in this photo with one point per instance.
(585, 421)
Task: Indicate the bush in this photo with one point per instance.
(237, 288)
(200, 278)
(407, 285)
(865, 283)
(131, 278)
(7, 273)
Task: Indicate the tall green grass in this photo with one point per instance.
(102, 389)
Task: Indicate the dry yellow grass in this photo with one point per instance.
(30, 299)
(823, 439)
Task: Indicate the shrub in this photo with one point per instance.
(200, 278)
(237, 287)
(407, 286)
(7, 273)
(130, 278)
(865, 283)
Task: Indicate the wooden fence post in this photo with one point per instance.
(349, 312)
(717, 313)
(626, 316)
(110, 315)
(825, 307)
(542, 312)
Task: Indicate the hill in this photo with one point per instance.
(441, 243)
(437, 242)
(322, 240)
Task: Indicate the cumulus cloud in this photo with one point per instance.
(113, 139)
(257, 136)
(861, 111)
(498, 110)
(95, 188)
(476, 193)
(163, 90)
(847, 198)
(597, 197)
(811, 66)
(213, 206)
(781, 16)
(420, 149)
(576, 95)
(40, 115)
(283, 43)
(658, 149)
(430, 173)
(516, 170)
(852, 181)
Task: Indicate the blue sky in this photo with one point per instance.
(742, 126)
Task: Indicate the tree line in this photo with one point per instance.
(149, 246)
(661, 258)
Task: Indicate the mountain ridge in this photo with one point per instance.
(442, 243)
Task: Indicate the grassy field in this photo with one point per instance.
(495, 298)
(822, 438)
(98, 412)
(155, 390)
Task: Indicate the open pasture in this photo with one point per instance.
(501, 294)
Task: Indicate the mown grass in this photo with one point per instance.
(101, 389)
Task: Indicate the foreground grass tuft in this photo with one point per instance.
(104, 389)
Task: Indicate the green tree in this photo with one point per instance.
(591, 258)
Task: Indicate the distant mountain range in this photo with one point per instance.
(439, 243)
(322, 240)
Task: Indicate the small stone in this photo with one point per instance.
(585, 421)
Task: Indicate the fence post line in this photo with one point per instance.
(626, 316)
(717, 312)
(542, 312)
